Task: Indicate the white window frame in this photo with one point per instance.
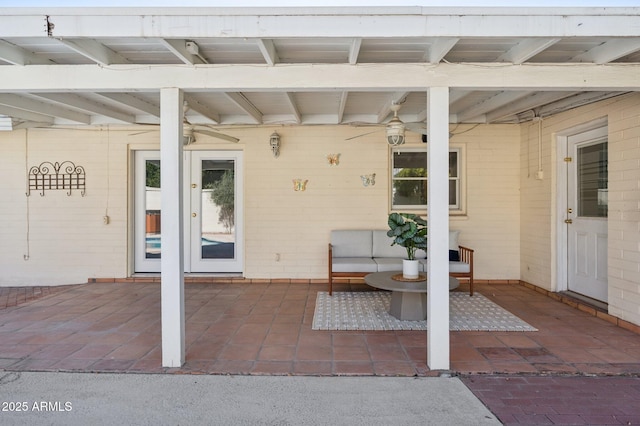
(454, 209)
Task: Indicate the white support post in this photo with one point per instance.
(172, 261)
(438, 217)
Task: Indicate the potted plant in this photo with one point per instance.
(409, 231)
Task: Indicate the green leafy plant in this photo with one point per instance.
(409, 231)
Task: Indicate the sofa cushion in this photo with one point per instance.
(354, 264)
(352, 243)
(386, 264)
(459, 267)
(382, 247)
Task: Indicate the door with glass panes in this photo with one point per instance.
(213, 234)
(587, 214)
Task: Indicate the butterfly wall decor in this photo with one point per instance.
(368, 180)
(299, 184)
(334, 159)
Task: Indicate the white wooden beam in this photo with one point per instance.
(331, 22)
(527, 49)
(293, 107)
(439, 49)
(26, 115)
(490, 104)
(76, 101)
(95, 51)
(574, 102)
(609, 51)
(268, 50)
(398, 98)
(18, 56)
(243, 103)
(438, 242)
(132, 101)
(319, 77)
(172, 261)
(529, 102)
(202, 109)
(179, 49)
(343, 103)
(354, 50)
(33, 105)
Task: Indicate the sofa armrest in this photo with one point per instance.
(466, 255)
(330, 262)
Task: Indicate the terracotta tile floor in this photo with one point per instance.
(577, 369)
(266, 329)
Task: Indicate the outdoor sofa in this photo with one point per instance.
(358, 252)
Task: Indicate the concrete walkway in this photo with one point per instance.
(149, 399)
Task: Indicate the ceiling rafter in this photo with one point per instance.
(132, 101)
(608, 51)
(202, 109)
(293, 106)
(18, 56)
(574, 102)
(395, 98)
(179, 48)
(354, 50)
(22, 114)
(439, 49)
(529, 102)
(77, 101)
(97, 52)
(243, 103)
(268, 49)
(527, 49)
(342, 105)
(32, 105)
(487, 105)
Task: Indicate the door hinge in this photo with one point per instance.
(568, 159)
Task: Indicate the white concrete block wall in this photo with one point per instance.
(69, 242)
(491, 225)
(55, 238)
(538, 235)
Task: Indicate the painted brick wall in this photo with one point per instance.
(538, 207)
(68, 241)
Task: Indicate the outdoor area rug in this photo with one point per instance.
(369, 311)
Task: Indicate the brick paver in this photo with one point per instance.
(576, 400)
(14, 296)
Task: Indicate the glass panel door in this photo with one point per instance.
(213, 211)
(216, 236)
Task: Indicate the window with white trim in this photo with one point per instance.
(409, 179)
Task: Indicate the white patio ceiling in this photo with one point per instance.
(248, 66)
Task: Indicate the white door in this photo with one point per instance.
(587, 211)
(212, 211)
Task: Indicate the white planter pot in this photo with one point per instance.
(410, 269)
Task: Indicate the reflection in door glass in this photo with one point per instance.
(593, 180)
(152, 209)
(218, 209)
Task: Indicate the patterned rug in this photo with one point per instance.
(369, 311)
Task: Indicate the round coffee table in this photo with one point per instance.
(408, 298)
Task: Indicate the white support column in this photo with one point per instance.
(172, 261)
(438, 217)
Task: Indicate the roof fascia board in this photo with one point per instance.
(551, 25)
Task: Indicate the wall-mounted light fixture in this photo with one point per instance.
(274, 142)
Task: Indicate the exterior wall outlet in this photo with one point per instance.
(539, 175)
(105, 220)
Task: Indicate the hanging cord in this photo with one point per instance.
(26, 168)
(106, 209)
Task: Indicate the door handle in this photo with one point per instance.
(193, 215)
(568, 221)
